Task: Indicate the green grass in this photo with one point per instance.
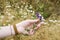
(20, 12)
(49, 31)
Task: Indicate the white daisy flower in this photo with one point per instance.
(23, 2)
(45, 23)
(11, 17)
(30, 7)
(24, 16)
(18, 7)
(4, 24)
(55, 20)
(32, 17)
(31, 11)
(8, 6)
(25, 13)
(7, 20)
(50, 20)
(9, 24)
(8, 14)
(28, 10)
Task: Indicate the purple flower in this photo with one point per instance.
(39, 15)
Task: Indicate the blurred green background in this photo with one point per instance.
(14, 11)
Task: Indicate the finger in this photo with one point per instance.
(41, 22)
(38, 26)
(34, 21)
(31, 32)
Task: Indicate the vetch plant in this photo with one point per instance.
(39, 16)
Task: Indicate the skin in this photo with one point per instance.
(21, 28)
(28, 24)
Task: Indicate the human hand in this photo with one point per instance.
(25, 24)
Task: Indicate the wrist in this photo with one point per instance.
(15, 29)
(12, 30)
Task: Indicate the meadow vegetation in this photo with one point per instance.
(14, 11)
